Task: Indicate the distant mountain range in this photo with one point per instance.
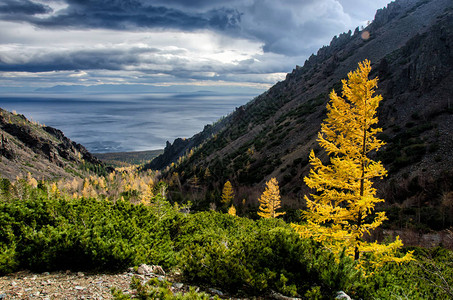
(140, 88)
(410, 45)
(42, 151)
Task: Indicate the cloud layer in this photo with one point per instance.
(167, 42)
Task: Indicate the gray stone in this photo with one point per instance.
(178, 285)
(145, 269)
(279, 296)
(158, 270)
(215, 291)
(342, 295)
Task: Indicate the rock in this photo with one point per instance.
(2, 296)
(79, 288)
(158, 270)
(279, 296)
(80, 274)
(215, 292)
(148, 270)
(342, 295)
(145, 269)
(142, 277)
(178, 285)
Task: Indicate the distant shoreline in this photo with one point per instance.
(126, 152)
(123, 159)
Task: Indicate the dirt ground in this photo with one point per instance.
(63, 285)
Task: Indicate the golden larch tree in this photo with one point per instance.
(232, 210)
(270, 200)
(341, 211)
(227, 193)
(31, 181)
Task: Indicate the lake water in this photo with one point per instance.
(125, 122)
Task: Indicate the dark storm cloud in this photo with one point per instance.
(278, 25)
(109, 59)
(253, 41)
(22, 7)
(130, 15)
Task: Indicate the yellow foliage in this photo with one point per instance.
(270, 200)
(150, 181)
(227, 193)
(342, 210)
(207, 173)
(102, 183)
(232, 210)
(112, 176)
(54, 190)
(31, 181)
(111, 186)
(147, 195)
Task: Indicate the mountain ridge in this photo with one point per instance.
(43, 151)
(409, 45)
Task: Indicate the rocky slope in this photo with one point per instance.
(41, 150)
(410, 45)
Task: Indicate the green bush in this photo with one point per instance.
(239, 254)
(159, 289)
(49, 234)
(234, 254)
(430, 276)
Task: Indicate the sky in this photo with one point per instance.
(166, 43)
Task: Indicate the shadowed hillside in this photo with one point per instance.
(42, 151)
(410, 45)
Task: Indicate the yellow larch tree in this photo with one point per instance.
(147, 192)
(31, 181)
(54, 191)
(227, 193)
(341, 211)
(270, 200)
(232, 210)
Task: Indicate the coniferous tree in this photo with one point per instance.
(227, 193)
(232, 210)
(341, 211)
(270, 200)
